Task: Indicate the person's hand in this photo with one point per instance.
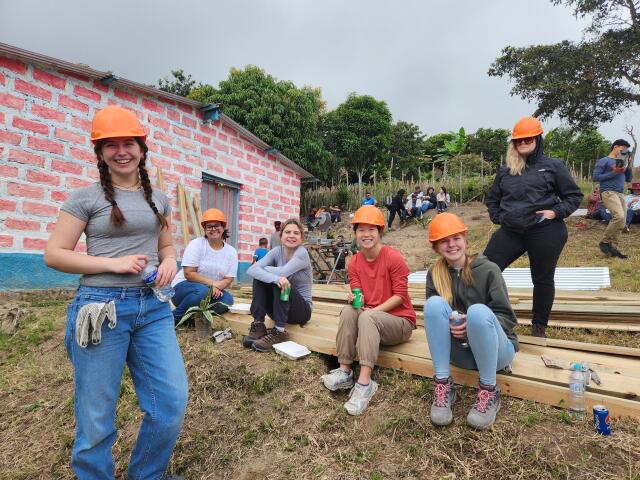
(547, 214)
(216, 292)
(132, 264)
(283, 282)
(350, 297)
(618, 169)
(166, 271)
(459, 331)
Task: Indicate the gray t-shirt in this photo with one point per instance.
(138, 236)
(275, 240)
(298, 270)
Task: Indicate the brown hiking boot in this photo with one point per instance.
(257, 330)
(538, 330)
(274, 336)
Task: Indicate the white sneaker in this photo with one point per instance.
(359, 398)
(338, 379)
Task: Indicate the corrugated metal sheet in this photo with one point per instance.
(566, 278)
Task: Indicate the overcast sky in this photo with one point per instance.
(426, 58)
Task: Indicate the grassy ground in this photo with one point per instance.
(256, 415)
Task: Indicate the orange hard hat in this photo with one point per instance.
(114, 121)
(444, 225)
(213, 215)
(526, 127)
(370, 215)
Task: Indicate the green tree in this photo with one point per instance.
(180, 84)
(558, 142)
(359, 132)
(490, 143)
(587, 148)
(281, 114)
(407, 148)
(588, 82)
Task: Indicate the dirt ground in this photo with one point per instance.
(254, 416)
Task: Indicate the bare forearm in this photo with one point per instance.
(393, 302)
(167, 252)
(224, 283)
(196, 277)
(69, 261)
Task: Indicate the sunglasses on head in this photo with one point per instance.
(526, 141)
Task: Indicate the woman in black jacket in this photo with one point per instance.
(397, 206)
(529, 199)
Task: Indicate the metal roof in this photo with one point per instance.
(32, 57)
(566, 278)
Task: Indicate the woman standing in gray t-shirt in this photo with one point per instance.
(127, 225)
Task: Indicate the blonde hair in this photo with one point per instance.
(515, 161)
(442, 278)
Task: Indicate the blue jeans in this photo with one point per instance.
(189, 294)
(602, 214)
(490, 350)
(144, 338)
(426, 205)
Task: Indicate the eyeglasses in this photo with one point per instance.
(215, 226)
(526, 141)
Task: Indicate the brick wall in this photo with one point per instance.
(45, 152)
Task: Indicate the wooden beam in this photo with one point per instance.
(515, 386)
(195, 224)
(183, 215)
(160, 179)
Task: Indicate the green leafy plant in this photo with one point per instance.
(204, 309)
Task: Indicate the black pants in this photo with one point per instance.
(266, 301)
(392, 215)
(543, 243)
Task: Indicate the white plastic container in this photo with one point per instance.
(241, 308)
(291, 350)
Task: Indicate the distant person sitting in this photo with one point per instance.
(429, 200)
(261, 251)
(312, 220)
(418, 192)
(593, 203)
(368, 199)
(633, 206)
(336, 213)
(275, 236)
(442, 200)
(414, 206)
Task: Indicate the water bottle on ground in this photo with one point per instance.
(456, 319)
(576, 389)
(148, 275)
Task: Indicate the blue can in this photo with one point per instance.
(601, 421)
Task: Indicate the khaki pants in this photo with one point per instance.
(363, 331)
(615, 203)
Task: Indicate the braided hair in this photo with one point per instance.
(117, 218)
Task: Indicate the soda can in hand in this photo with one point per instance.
(358, 299)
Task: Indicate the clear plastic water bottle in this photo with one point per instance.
(576, 389)
(455, 319)
(148, 275)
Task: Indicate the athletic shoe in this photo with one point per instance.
(444, 396)
(360, 397)
(337, 379)
(487, 405)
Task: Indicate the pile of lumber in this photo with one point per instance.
(577, 310)
(618, 367)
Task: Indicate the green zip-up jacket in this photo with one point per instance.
(488, 288)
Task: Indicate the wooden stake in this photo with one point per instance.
(160, 179)
(183, 216)
(195, 224)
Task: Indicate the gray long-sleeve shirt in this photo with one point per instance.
(298, 270)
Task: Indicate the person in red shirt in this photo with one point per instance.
(386, 318)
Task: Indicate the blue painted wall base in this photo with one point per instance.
(27, 271)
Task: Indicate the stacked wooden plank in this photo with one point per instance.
(587, 310)
(618, 367)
